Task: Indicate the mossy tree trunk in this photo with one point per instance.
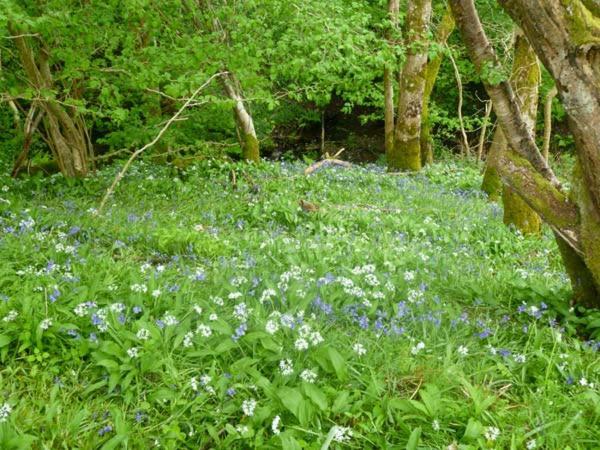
(565, 35)
(389, 77)
(65, 131)
(444, 29)
(245, 124)
(406, 154)
(525, 78)
(492, 184)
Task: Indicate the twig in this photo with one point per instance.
(460, 102)
(120, 175)
(488, 111)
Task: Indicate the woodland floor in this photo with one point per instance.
(195, 312)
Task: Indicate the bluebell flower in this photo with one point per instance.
(137, 309)
(231, 392)
(104, 430)
(160, 324)
(485, 333)
(96, 320)
(239, 331)
(73, 230)
(54, 295)
(363, 322)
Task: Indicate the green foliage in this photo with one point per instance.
(427, 322)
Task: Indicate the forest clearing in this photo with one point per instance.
(299, 225)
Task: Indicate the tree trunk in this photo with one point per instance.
(525, 79)
(565, 38)
(389, 75)
(492, 184)
(65, 130)
(548, 122)
(444, 29)
(406, 154)
(244, 122)
(484, 126)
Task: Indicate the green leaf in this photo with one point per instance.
(4, 340)
(413, 440)
(473, 430)
(338, 362)
(316, 395)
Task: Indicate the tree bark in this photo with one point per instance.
(444, 30)
(66, 133)
(389, 76)
(525, 79)
(492, 184)
(548, 122)
(566, 37)
(406, 154)
(244, 122)
(482, 135)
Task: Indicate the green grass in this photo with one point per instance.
(454, 312)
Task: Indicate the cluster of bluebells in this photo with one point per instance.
(369, 301)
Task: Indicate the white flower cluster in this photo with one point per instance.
(276, 424)
(492, 433)
(309, 376)
(11, 316)
(5, 411)
(417, 348)
(286, 367)
(139, 288)
(341, 434)
(359, 349)
(248, 406)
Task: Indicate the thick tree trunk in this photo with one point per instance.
(65, 130)
(444, 29)
(389, 76)
(406, 154)
(244, 122)
(567, 40)
(492, 184)
(525, 79)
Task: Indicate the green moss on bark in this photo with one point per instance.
(519, 214)
(492, 184)
(250, 151)
(589, 232)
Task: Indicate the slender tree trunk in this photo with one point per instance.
(565, 37)
(389, 77)
(482, 135)
(31, 124)
(406, 154)
(244, 122)
(548, 122)
(65, 130)
(444, 30)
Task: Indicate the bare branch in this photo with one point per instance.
(138, 152)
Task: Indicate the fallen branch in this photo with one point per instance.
(135, 154)
(328, 161)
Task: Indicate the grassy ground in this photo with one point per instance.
(193, 313)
